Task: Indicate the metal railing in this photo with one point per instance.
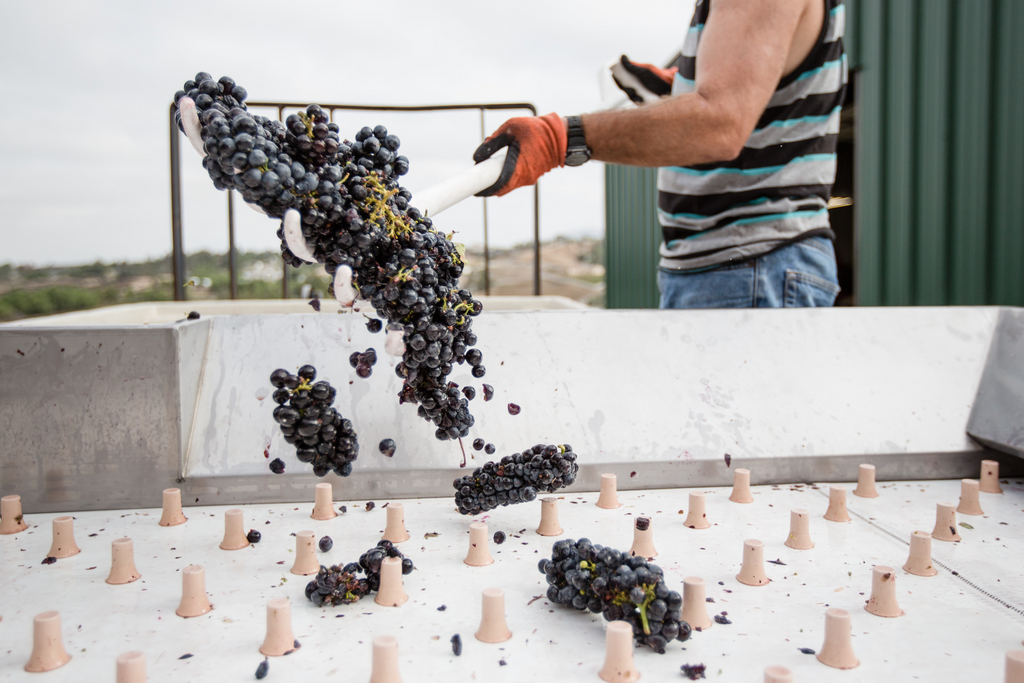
(177, 248)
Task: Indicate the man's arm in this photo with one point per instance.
(742, 56)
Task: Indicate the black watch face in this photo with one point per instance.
(576, 158)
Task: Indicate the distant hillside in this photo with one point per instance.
(571, 268)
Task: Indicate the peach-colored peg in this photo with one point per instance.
(11, 519)
(778, 674)
(837, 650)
(493, 628)
(131, 667)
(280, 639)
(609, 498)
(741, 486)
(479, 555)
(945, 523)
(323, 502)
(643, 539)
(395, 529)
(989, 482)
(1015, 666)
(549, 525)
(752, 570)
(919, 561)
(48, 651)
(63, 538)
(836, 511)
(969, 503)
(882, 602)
(799, 530)
(697, 517)
(306, 561)
(122, 563)
(385, 660)
(695, 604)
(172, 514)
(866, 482)
(618, 654)
(194, 601)
(391, 592)
(234, 531)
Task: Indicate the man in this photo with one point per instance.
(745, 140)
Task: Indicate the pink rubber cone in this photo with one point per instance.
(63, 538)
(695, 604)
(479, 555)
(11, 519)
(969, 503)
(778, 674)
(618, 654)
(1015, 666)
(919, 562)
(866, 482)
(741, 486)
(194, 601)
(989, 482)
(799, 530)
(391, 592)
(697, 517)
(836, 511)
(385, 660)
(609, 498)
(643, 539)
(752, 570)
(48, 651)
(306, 561)
(549, 525)
(131, 667)
(234, 531)
(323, 502)
(172, 514)
(280, 639)
(945, 523)
(395, 529)
(493, 628)
(837, 650)
(122, 563)
(882, 602)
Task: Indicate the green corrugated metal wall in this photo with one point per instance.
(633, 236)
(939, 200)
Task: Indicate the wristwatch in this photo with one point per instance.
(576, 151)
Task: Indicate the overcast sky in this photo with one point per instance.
(86, 87)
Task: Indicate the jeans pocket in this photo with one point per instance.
(804, 290)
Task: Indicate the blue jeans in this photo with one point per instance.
(800, 274)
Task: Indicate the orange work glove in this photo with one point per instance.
(643, 82)
(536, 144)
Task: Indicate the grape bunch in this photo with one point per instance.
(320, 434)
(371, 561)
(516, 478)
(363, 362)
(358, 221)
(589, 577)
(343, 585)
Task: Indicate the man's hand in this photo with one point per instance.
(536, 144)
(641, 82)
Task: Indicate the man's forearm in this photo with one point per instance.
(679, 131)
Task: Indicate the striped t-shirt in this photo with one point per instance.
(776, 191)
